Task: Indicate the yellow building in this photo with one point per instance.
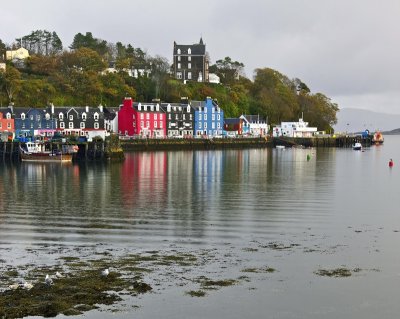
(20, 54)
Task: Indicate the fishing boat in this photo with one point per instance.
(378, 138)
(357, 146)
(37, 152)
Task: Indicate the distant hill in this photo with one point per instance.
(357, 120)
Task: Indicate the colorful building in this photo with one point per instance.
(208, 118)
(6, 123)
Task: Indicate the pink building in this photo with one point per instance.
(141, 119)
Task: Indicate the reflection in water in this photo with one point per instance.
(236, 204)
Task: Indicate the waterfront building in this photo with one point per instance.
(208, 118)
(141, 119)
(6, 123)
(233, 126)
(31, 122)
(254, 125)
(294, 129)
(111, 120)
(81, 121)
(190, 62)
(179, 118)
(19, 54)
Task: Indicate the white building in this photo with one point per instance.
(294, 129)
(19, 54)
(254, 125)
(213, 78)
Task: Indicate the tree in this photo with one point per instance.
(10, 81)
(159, 73)
(88, 41)
(2, 51)
(228, 70)
(41, 42)
(82, 59)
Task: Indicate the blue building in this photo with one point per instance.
(29, 122)
(208, 118)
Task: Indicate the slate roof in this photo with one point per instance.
(196, 49)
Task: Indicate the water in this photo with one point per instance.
(337, 210)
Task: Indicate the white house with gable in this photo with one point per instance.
(294, 129)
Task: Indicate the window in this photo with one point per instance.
(8, 116)
(1, 126)
(155, 116)
(189, 58)
(31, 117)
(141, 116)
(189, 51)
(189, 65)
(200, 125)
(147, 116)
(179, 58)
(161, 116)
(147, 124)
(61, 117)
(205, 125)
(23, 116)
(155, 124)
(219, 125)
(213, 117)
(9, 125)
(96, 125)
(37, 117)
(218, 117)
(184, 116)
(82, 125)
(179, 75)
(205, 117)
(71, 117)
(141, 124)
(205, 109)
(161, 125)
(190, 117)
(96, 116)
(213, 125)
(47, 116)
(179, 51)
(84, 116)
(62, 125)
(200, 117)
(71, 125)
(176, 116)
(169, 116)
(189, 75)
(179, 65)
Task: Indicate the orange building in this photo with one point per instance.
(6, 122)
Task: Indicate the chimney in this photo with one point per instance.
(101, 108)
(87, 109)
(128, 102)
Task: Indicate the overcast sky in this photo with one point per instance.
(346, 49)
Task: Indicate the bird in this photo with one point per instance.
(48, 281)
(13, 286)
(105, 272)
(27, 285)
(59, 275)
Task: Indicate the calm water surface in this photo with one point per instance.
(340, 209)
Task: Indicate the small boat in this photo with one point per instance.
(357, 146)
(37, 152)
(378, 138)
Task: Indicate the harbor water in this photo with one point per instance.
(277, 222)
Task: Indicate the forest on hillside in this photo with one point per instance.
(74, 76)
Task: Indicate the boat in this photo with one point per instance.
(378, 138)
(37, 152)
(357, 146)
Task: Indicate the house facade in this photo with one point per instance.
(81, 121)
(19, 54)
(233, 126)
(294, 129)
(141, 119)
(254, 125)
(208, 118)
(6, 122)
(190, 62)
(30, 122)
(180, 118)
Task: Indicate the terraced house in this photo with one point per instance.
(81, 121)
(6, 123)
(208, 118)
(179, 118)
(30, 122)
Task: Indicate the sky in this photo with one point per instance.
(347, 49)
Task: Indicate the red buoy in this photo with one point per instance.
(391, 163)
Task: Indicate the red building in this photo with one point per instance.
(141, 119)
(6, 122)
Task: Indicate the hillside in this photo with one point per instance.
(357, 120)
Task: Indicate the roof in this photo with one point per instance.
(254, 118)
(232, 120)
(196, 49)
